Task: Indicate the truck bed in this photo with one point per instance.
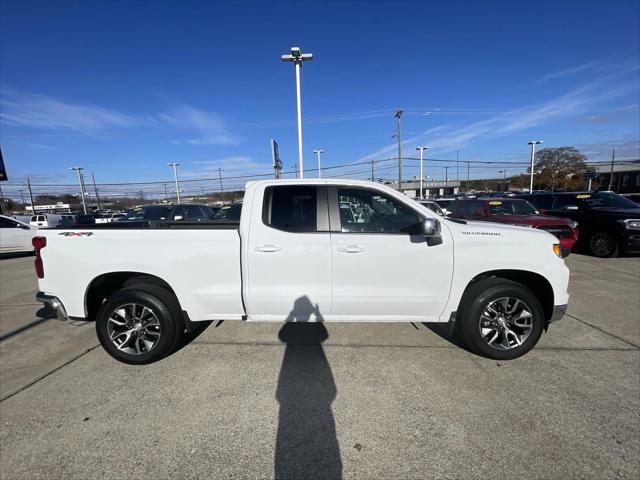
(154, 225)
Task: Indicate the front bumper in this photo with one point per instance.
(558, 313)
(54, 304)
(631, 243)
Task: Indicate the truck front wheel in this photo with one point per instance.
(140, 324)
(501, 319)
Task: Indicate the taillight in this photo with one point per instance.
(38, 244)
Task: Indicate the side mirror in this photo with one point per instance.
(541, 210)
(177, 218)
(24, 227)
(571, 208)
(430, 227)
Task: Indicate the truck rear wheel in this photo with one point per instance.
(140, 324)
(501, 319)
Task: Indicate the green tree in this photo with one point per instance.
(559, 168)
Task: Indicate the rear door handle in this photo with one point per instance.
(267, 248)
(351, 249)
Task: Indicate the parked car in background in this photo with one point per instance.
(517, 212)
(443, 203)
(47, 220)
(147, 212)
(22, 218)
(191, 212)
(433, 206)
(187, 212)
(84, 219)
(15, 236)
(229, 213)
(609, 223)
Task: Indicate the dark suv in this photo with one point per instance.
(609, 223)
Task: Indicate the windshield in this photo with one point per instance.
(511, 207)
(606, 200)
(155, 212)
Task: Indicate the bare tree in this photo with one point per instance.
(560, 168)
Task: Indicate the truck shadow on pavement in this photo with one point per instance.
(306, 442)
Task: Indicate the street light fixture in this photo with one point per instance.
(175, 175)
(533, 144)
(318, 153)
(421, 149)
(79, 170)
(297, 57)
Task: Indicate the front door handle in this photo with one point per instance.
(267, 248)
(351, 249)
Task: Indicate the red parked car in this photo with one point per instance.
(516, 212)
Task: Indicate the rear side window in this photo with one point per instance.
(41, 218)
(292, 208)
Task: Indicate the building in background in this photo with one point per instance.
(626, 176)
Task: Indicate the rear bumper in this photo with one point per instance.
(54, 304)
(558, 313)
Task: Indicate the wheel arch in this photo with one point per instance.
(103, 286)
(535, 282)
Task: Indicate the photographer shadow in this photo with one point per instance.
(306, 442)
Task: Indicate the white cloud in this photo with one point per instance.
(570, 71)
(43, 112)
(576, 102)
(210, 127)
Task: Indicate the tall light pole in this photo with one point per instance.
(421, 149)
(446, 175)
(398, 115)
(79, 170)
(297, 57)
(533, 144)
(175, 175)
(318, 153)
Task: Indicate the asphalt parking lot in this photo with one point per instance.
(326, 401)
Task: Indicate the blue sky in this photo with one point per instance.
(122, 88)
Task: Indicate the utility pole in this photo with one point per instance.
(220, 177)
(421, 149)
(446, 175)
(458, 167)
(93, 177)
(1, 202)
(398, 115)
(166, 199)
(22, 196)
(33, 208)
(297, 57)
(533, 144)
(373, 178)
(468, 163)
(318, 152)
(175, 175)
(295, 168)
(79, 170)
(613, 159)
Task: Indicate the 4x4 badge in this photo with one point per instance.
(76, 234)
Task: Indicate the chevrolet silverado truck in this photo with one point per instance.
(295, 256)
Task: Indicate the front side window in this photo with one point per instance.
(6, 223)
(564, 201)
(292, 208)
(374, 212)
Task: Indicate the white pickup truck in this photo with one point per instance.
(306, 250)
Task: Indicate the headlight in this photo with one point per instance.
(557, 250)
(573, 224)
(631, 223)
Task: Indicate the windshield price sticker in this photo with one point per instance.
(583, 196)
(495, 202)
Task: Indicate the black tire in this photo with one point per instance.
(166, 309)
(476, 300)
(603, 245)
